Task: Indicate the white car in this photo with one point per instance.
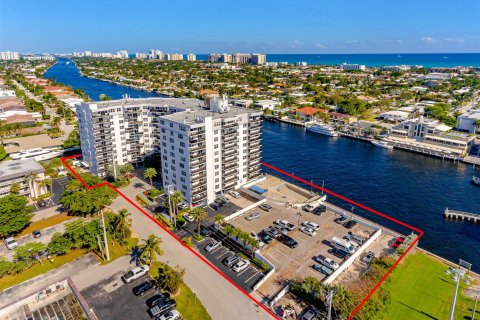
(235, 194)
(311, 225)
(135, 273)
(241, 265)
(10, 243)
(188, 217)
(182, 205)
(170, 315)
(308, 231)
(328, 263)
(213, 245)
(285, 224)
(368, 257)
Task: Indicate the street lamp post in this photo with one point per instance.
(459, 274)
(299, 214)
(107, 253)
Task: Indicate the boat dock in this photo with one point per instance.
(352, 136)
(460, 215)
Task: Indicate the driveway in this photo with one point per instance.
(221, 299)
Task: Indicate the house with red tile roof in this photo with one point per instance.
(308, 114)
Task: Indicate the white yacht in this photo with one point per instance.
(38, 154)
(476, 180)
(323, 129)
(382, 144)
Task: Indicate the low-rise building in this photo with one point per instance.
(349, 67)
(342, 118)
(466, 122)
(394, 116)
(27, 173)
(308, 114)
(265, 104)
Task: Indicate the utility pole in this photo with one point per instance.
(329, 299)
(454, 301)
(114, 167)
(105, 238)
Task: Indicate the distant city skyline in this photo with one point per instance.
(303, 26)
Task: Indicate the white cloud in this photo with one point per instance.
(428, 40)
(319, 46)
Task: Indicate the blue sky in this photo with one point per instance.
(269, 26)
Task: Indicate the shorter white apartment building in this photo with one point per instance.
(466, 121)
(27, 173)
(349, 67)
(265, 104)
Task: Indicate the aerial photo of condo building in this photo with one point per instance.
(306, 164)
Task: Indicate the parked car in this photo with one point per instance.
(280, 229)
(311, 225)
(353, 237)
(285, 224)
(188, 217)
(308, 231)
(135, 274)
(235, 194)
(241, 265)
(319, 210)
(252, 216)
(368, 257)
(10, 243)
(350, 224)
(204, 231)
(341, 220)
(310, 315)
(157, 299)
(215, 206)
(231, 260)
(142, 288)
(162, 308)
(36, 233)
(288, 241)
(266, 238)
(328, 262)
(398, 242)
(342, 254)
(170, 315)
(272, 232)
(322, 269)
(182, 205)
(266, 207)
(213, 245)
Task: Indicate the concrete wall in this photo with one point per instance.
(270, 273)
(347, 263)
(242, 211)
(279, 295)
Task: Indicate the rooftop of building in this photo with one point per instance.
(183, 103)
(13, 169)
(198, 115)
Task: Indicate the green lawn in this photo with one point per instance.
(116, 250)
(39, 269)
(45, 223)
(187, 303)
(421, 290)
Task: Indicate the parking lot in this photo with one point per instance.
(297, 262)
(246, 278)
(113, 299)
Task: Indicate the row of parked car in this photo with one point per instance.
(233, 261)
(161, 306)
(11, 243)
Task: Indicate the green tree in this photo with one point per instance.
(59, 244)
(3, 153)
(323, 116)
(56, 122)
(14, 214)
(122, 224)
(169, 279)
(150, 173)
(476, 124)
(175, 199)
(104, 97)
(126, 169)
(219, 218)
(29, 253)
(81, 201)
(15, 188)
(46, 183)
(5, 266)
(150, 247)
(199, 214)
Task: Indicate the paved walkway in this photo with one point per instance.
(221, 299)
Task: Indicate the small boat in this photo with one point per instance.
(382, 144)
(476, 180)
(38, 154)
(323, 129)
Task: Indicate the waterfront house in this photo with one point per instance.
(466, 121)
(394, 116)
(308, 114)
(342, 118)
(265, 104)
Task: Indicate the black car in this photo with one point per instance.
(36, 233)
(142, 288)
(288, 241)
(204, 231)
(157, 299)
(350, 224)
(341, 220)
(214, 206)
(319, 210)
(162, 308)
(342, 254)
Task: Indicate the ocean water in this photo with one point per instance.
(413, 188)
(374, 60)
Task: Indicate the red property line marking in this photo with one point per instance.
(64, 161)
(379, 283)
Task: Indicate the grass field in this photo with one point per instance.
(187, 303)
(39, 269)
(45, 223)
(421, 290)
(116, 250)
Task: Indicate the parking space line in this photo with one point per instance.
(226, 252)
(242, 272)
(280, 252)
(252, 276)
(272, 257)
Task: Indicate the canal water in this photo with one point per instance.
(410, 187)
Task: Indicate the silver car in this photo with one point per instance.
(252, 216)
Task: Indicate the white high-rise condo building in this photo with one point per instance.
(349, 67)
(204, 152)
(191, 57)
(122, 54)
(7, 55)
(174, 57)
(140, 55)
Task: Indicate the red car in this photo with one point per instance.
(398, 242)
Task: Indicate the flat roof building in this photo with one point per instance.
(26, 173)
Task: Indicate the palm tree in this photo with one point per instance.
(199, 214)
(176, 198)
(229, 230)
(15, 188)
(56, 122)
(150, 173)
(123, 221)
(46, 183)
(244, 236)
(219, 218)
(150, 248)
